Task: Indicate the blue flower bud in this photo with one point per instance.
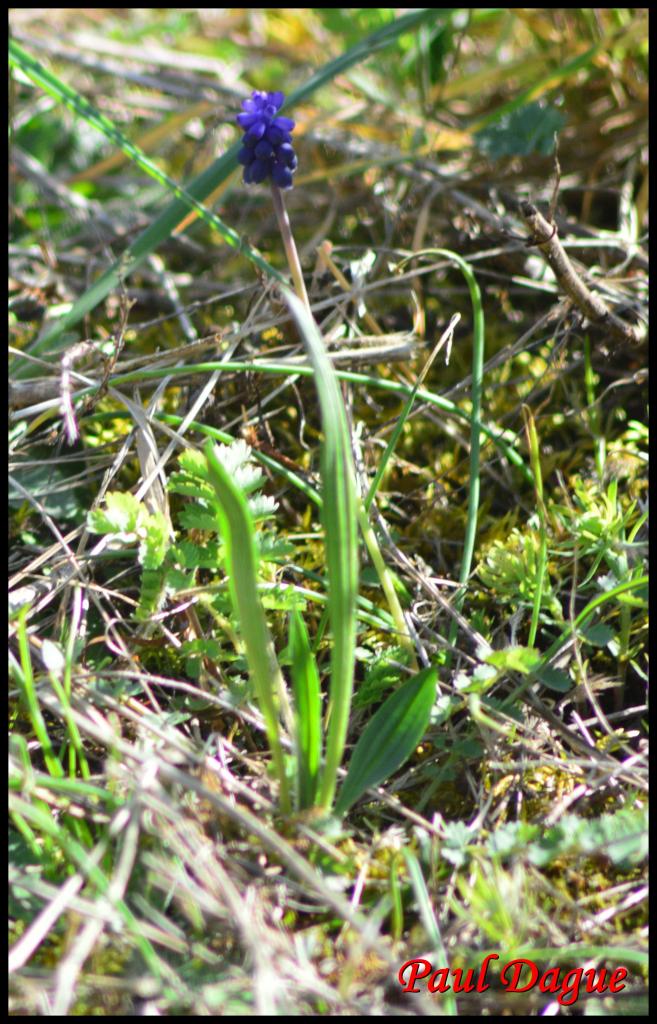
(264, 149)
(281, 175)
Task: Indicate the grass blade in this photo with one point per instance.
(28, 689)
(541, 568)
(502, 440)
(430, 923)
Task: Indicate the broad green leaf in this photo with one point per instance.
(530, 129)
(597, 635)
(390, 736)
(554, 678)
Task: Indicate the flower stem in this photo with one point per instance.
(290, 245)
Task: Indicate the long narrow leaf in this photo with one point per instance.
(390, 737)
(242, 561)
(308, 711)
(339, 516)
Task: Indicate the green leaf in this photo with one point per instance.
(512, 839)
(456, 843)
(515, 659)
(554, 678)
(339, 518)
(194, 517)
(120, 515)
(597, 635)
(530, 129)
(153, 540)
(381, 676)
(390, 737)
(241, 555)
(151, 594)
(622, 837)
(307, 709)
(180, 483)
(195, 650)
(193, 556)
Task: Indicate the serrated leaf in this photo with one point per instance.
(382, 675)
(151, 594)
(121, 514)
(625, 836)
(195, 517)
(282, 599)
(193, 556)
(514, 659)
(274, 549)
(182, 483)
(177, 579)
(153, 540)
(621, 836)
(263, 506)
(512, 838)
(193, 462)
(390, 736)
(206, 647)
(456, 843)
(236, 460)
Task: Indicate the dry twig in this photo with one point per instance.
(546, 238)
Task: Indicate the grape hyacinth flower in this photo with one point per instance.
(267, 153)
(267, 144)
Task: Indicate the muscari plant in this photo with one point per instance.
(267, 153)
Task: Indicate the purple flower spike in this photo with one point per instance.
(267, 150)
